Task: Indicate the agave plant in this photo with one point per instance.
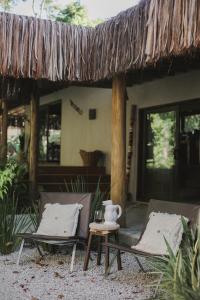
(11, 224)
(79, 185)
(181, 272)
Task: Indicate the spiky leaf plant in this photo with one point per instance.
(79, 185)
(11, 223)
(181, 272)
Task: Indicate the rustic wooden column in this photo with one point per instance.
(33, 158)
(4, 136)
(118, 152)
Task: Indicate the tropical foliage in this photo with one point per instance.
(181, 273)
(192, 123)
(73, 13)
(6, 4)
(76, 14)
(161, 140)
(79, 185)
(11, 221)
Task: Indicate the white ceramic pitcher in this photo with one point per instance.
(111, 215)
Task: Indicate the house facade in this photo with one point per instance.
(176, 95)
(82, 85)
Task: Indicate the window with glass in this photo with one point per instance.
(50, 132)
(160, 140)
(16, 134)
(169, 157)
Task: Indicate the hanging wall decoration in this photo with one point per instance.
(75, 107)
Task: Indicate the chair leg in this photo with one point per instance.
(20, 252)
(107, 271)
(119, 262)
(139, 263)
(107, 250)
(73, 257)
(38, 248)
(99, 251)
(87, 255)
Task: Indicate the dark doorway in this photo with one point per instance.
(169, 167)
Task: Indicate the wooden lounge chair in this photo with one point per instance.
(82, 228)
(190, 211)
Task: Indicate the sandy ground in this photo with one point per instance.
(50, 279)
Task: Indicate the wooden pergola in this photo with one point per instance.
(153, 39)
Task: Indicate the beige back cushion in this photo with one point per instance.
(161, 227)
(188, 210)
(71, 198)
(59, 220)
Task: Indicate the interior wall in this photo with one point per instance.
(160, 92)
(78, 132)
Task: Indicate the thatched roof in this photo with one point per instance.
(136, 38)
(148, 33)
(35, 48)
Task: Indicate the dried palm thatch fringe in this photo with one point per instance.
(145, 34)
(34, 48)
(134, 39)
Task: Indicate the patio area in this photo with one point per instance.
(127, 91)
(50, 278)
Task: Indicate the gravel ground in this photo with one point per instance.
(50, 279)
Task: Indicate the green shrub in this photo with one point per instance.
(10, 222)
(181, 273)
(7, 176)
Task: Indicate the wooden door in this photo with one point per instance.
(189, 152)
(158, 174)
(169, 160)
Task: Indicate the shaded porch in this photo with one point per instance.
(40, 69)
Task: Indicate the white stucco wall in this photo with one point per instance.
(78, 132)
(167, 90)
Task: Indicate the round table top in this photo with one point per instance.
(103, 226)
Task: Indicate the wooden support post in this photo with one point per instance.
(33, 159)
(4, 136)
(118, 152)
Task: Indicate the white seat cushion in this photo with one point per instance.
(161, 226)
(59, 220)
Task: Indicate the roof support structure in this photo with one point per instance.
(118, 151)
(4, 136)
(33, 153)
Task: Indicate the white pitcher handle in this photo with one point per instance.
(120, 211)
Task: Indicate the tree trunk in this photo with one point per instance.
(118, 152)
(4, 136)
(33, 162)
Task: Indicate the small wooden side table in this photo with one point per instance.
(102, 234)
